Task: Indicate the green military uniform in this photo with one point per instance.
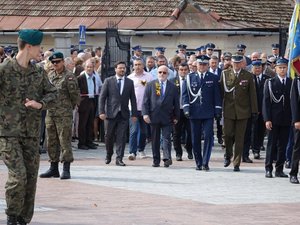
(59, 118)
(239, 102)
(20, 130)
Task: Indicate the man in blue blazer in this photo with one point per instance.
(161, 110)
(201, 99)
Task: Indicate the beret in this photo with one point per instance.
(31, 36)
(56, 55)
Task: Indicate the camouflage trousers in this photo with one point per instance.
(21, 157)
(59, 138)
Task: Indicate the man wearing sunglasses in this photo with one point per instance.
(59, 118)
(241, 49)
(161, 110)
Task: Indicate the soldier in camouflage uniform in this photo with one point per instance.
(25, 90)
(59, 118)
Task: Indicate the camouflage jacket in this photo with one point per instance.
(68, 93)
(17, 84)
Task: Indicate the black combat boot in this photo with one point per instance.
(52, 172)
(21, 221)
(12, 220)
(66, 171)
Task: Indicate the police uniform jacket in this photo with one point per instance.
(241, 101)
(208, 104)
(278, 113)
(17, 84)
(68, 93)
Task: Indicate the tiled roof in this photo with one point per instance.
(88, 8)
(144, 14)
(254, 13)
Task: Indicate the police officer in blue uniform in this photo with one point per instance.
(201, 101)
(137, 54)
(210, 47)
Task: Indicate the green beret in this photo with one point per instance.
(32, 37)
(56, 55)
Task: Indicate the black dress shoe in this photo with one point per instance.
(247, 160)
(205, 168)
(119, 162)
(256, 156)
(236, 169)
(155, 165)
(190, 156)
(167, 162)
(288, 165)
(198, 167)
(280, 174)
(84, 147)
(220, 141)
(227, 162)
(294, 180)
(107, 160)
(178, 158)
(269, 174)
(91, 146)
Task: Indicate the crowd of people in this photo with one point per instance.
(50, 100)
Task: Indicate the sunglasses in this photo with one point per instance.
(56, 61)
(240, 50)
(163, 72)
(209, 49)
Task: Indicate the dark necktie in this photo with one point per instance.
(119, 84)
(283, 84)
(258, 80)
(202, 78)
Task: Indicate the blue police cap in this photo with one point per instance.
(203, 59)
(31, 36)
(181, 46)
(190, 53)
(275, 46)
(137, 48)
(160, 49)
(256, 63)
(56, 55)
(241, 46)
(210, 45)
(201, 48)
(8, 49)
(281, 61)
(237, 58)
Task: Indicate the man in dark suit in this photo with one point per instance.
(295, 107)
(213, 68)
(201, 101)
(277, 116)
(161, 110)
(183, 125)
(86, 109)
(239, 104)
(258, 131)
(114, 99)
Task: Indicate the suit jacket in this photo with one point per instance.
(295, 100)
(84, 99)
(210, 104)
(260, 90)
(242, 101)
(161, 111)
(111, 102)
(278, 113)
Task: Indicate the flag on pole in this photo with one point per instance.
(293, 45)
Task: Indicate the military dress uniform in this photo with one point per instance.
(59, 118)
(201, 101)
(239, 102)
(277, 109)
(20, 130)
